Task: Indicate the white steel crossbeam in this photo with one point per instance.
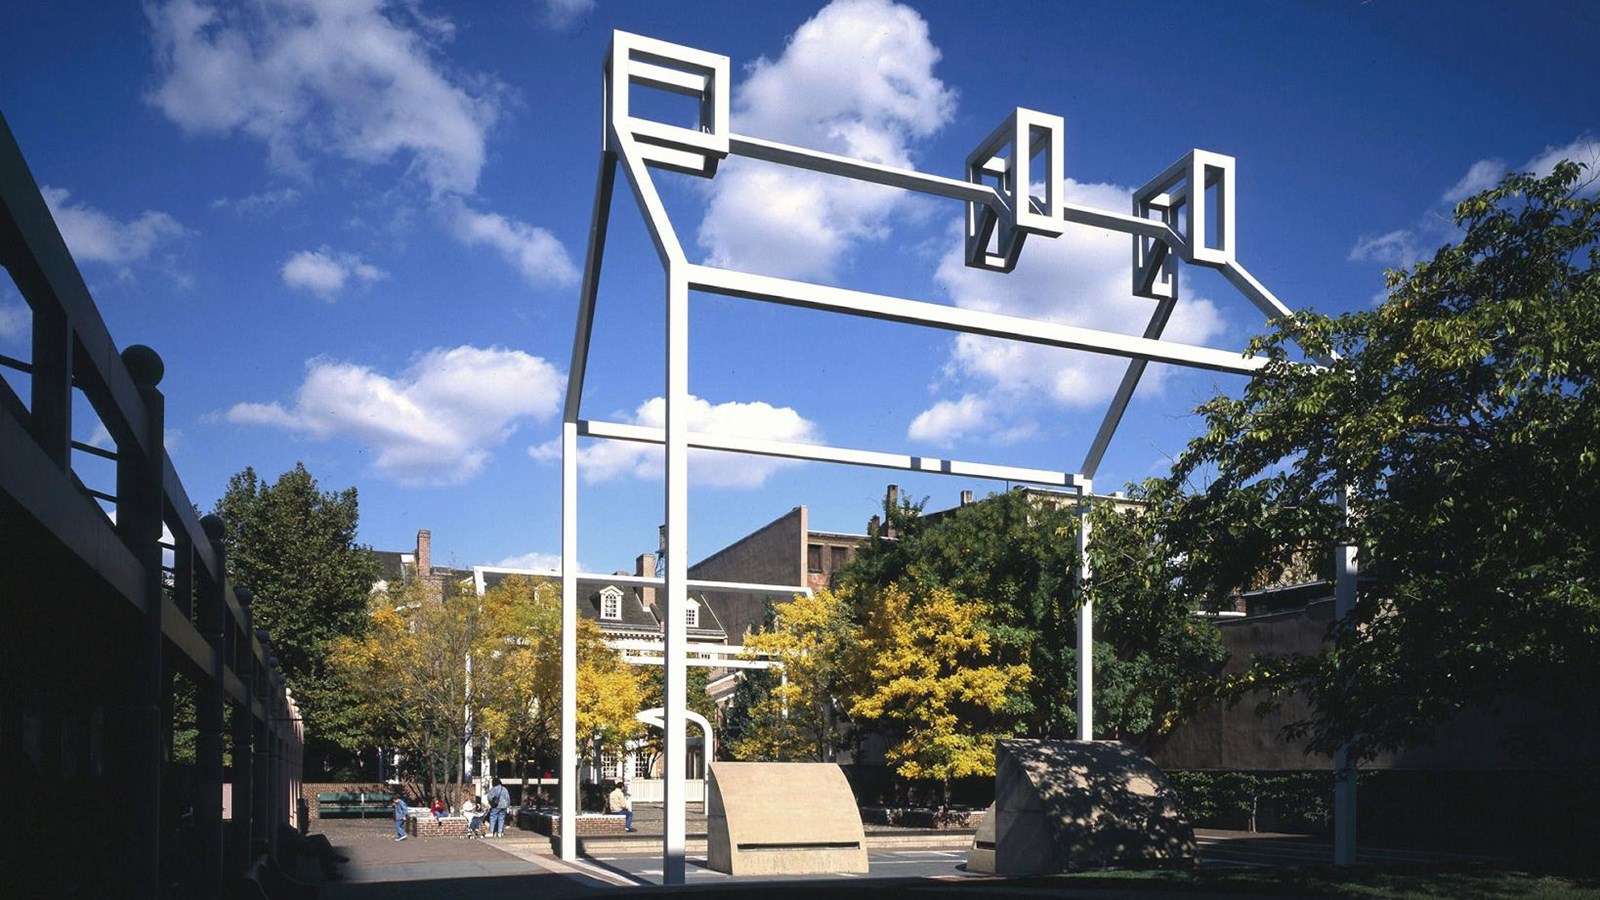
(1171, 223)
(967, 321)
(645, 434)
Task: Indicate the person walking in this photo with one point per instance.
(400, 813)
(499, 802)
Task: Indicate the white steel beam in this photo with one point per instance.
(1085, 626)
(1125, 389)
(966, 321)
(600, 218)
(633, 657)
(889, 176)
(1347, 568)
(569, 641)
(651, 209)
(820, 453)
(676, 628)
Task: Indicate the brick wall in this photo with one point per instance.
(546, 822)
(772, 554)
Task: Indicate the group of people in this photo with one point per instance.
(490, 811)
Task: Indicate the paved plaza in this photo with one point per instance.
(522, 864)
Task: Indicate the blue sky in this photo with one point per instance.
(353, 229)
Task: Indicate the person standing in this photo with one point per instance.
(400, 813)
(499, 802)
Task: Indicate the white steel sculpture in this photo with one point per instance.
(1169, 222)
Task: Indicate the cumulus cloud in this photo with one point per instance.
(856, 79)
(311, 77)
(1403, 247)
(532, 560)
(604, 461)
(359, 81)
(325, 273)
(435, 423)
(94, 236)
(533, 251)
(1081, 278)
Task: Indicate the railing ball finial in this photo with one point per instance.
(214, 528)
(144, 364)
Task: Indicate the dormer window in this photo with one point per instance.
(611, 604)
(692, 614)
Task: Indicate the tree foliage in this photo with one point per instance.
(1463, 416)
(797, 715)
(1016, 554)
(926, 669)
(293, 545)
(412, 673)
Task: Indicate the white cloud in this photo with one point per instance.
(346, 78)
(1081, 278)
(1584, 149)
(325, 273)
(94, 236)
(1484, 174)
(533, 251)
(15, 319)
(435, 423)
(949, 420)
(1403, 247)
(856, 79)
(531, 560)
(610, 460)
(254, 205)
(559, 14)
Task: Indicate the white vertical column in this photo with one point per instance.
(569, 640)
(676, 577)
(1346, 568)
(1085, 622)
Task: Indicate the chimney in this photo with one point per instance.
(966, 498)
(891, 502)
(873, 525)
(424, 554)
(645, 566)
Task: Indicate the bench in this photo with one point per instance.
(338, 804)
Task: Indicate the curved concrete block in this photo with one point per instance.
(1073, 805)
(782, 819)
(980, 858)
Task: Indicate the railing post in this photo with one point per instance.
(261, 821)
(243, 737)
(209, 702)
(139, 509)
(50, 411)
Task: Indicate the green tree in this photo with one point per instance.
(1017, 554)
(293, 545)
(1463, 416)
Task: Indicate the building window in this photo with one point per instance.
(840, 556)
(814, 558)
(692, 614)
(611, 604)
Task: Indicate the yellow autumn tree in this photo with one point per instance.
(609, 694)
(925, 672)
(518, 686)
(798, 717)
(410, 674)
